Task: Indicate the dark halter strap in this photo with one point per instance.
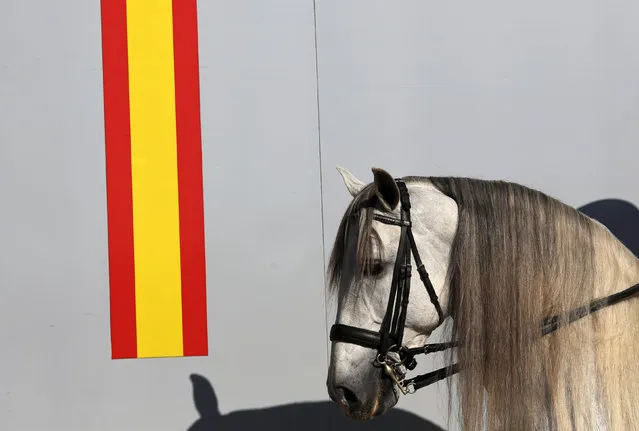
(389, 337)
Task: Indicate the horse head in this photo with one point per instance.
(363, 271)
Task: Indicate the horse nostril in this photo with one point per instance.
(348, 398)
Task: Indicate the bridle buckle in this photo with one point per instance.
(399, 381)
(396, 369)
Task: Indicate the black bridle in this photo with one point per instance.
(392, 356)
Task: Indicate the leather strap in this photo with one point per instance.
(427, 379)
(353, 335)
(553, 323)
(423, 275)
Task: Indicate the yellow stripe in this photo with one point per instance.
(154, 177)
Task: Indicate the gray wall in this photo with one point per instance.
(545, 94)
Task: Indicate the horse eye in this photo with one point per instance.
(376, 267)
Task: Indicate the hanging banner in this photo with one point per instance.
(154, 178)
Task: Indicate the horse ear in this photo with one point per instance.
(386, 188)
(353, 185)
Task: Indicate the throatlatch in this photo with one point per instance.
(392, 356)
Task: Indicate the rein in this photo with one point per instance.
(392, 356)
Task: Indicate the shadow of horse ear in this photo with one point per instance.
(204, 397)
(620, 217)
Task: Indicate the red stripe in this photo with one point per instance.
(187, 104)
(118, 173)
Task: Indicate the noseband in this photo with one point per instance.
(392, 356)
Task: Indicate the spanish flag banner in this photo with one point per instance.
(154, 178)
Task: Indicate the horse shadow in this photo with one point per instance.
(620, 217)
(307, 416)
